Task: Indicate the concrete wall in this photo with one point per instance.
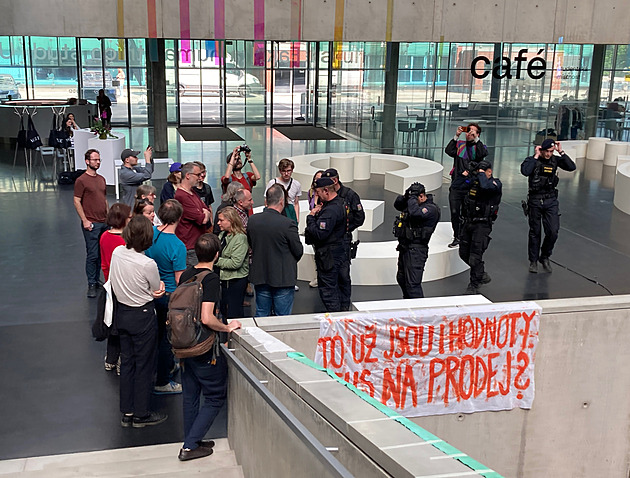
(578, 425)
(368, 444)
(586, 21)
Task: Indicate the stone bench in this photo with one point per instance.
(400, 171)
(376, 262)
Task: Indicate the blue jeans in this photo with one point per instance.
(273, 300)
(200, 376)
(93, 252)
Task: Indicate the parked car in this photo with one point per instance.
(207, 82)
(8, 88)
(93, 81)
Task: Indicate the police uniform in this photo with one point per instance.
(413, 228)
(326, 231)
(542, 202)
(479, 210)
(354, 209)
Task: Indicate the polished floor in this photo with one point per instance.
(56, 397)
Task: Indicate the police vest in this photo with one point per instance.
(544, 179)
(481, 204)
(413, 230)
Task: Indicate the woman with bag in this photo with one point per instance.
(135, 281)
(104, 108)
(233, 262)
(117, 219)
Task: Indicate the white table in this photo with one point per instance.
(81, 138)
(110, 150)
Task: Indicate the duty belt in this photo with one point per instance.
(553, 194)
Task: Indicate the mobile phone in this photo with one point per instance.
(464, 129)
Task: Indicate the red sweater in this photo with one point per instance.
(108, 243)
(191, 225)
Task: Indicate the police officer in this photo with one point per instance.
(542, 199)
(352, 202)
(479, 210)
(326, 226)
(413, 228)
(464, 152)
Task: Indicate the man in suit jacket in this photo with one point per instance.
(276, 250)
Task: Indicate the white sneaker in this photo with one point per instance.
(313, 283)
(170, 387)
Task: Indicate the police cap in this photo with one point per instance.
(323, 182)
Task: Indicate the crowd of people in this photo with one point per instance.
(147, 256)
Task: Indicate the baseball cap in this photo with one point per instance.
(323, 182)
(175, 167)
(128, 152)
(548, 143)
(330, 173)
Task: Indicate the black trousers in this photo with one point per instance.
(474, 240)
(137, 327)
(455, 200)
(165, 359)
(232, 296)
(333, 278)
(411, 261)
(547, 212)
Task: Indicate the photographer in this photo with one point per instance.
(463, 153)
(233, 172)
(413, 228)
(479, 211)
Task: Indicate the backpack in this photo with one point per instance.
(183, 323)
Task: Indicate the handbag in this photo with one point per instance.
(21, 136)
(33, 141)
(105, 311)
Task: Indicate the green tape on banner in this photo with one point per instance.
(426, 435)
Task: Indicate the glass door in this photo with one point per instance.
(245, 82)
(201, 83)
(293, 97)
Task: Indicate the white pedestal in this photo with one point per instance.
(622, 188)
(374, 213)
(362, 166)
(81, 138)
(622, 159)
(596, 148)
(110, 150)
(578, 145)
(612, 150)
(344, 164)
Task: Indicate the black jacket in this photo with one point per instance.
(462, 159)
(276, 249)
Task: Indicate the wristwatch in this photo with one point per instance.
(250, 161)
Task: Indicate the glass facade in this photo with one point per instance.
(523, 87)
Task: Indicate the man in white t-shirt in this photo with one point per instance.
(292, 186)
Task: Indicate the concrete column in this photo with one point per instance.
(156, 94)
(388, 135)
(594, 90)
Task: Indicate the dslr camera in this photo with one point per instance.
(245, 149)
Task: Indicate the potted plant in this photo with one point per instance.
(103, 131)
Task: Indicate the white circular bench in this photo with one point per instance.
(376, 262)
(622, 188)
(400, 171)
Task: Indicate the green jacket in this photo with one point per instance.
(234, 260)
